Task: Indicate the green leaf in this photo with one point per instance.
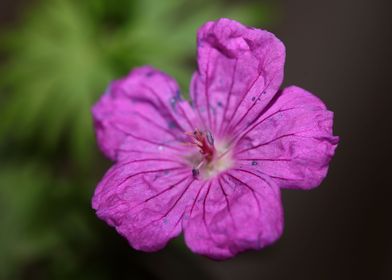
(65, 52)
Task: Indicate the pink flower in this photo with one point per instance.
(213, 169)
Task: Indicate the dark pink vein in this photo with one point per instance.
(240, 136)
(227, 199)
(116, 171)
(265, 143)
(263, 159)
(191, 125)
(171, 208)
(271, 176)
(261, 92)
(253, 105)
(196, 100)
(144, 139)
(195, 200)
(249, 187)
(154, 159)
(161, 192)
(147, 172)
(143, 152)
(204, 211)
(164, 105)
(179, 198)
(228, 98)
(275, 139)
(206, 94)
(150, 121)
(242, 99)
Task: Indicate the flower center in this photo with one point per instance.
(214, 156)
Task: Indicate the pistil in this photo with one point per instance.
(205, 143)
(215, 155)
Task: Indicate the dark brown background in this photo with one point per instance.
(340, 50)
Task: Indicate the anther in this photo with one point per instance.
(210, 139)
(195, 172)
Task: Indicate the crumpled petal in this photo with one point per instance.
(276, 138)
(237, 211)
(240, 70)
(292, 142)
(146, 102)
(146, 198)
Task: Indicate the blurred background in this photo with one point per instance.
(57, 57)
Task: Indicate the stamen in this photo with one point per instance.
(210, 139)
(205, 142)
(214, 156)
(195, 172)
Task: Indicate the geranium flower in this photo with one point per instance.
(213, 169)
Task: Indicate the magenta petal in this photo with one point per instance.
(248, 140)
(292, 142)
(146, 102)
(240, 70)
(235, 212)
(145, 200)
(106, 113)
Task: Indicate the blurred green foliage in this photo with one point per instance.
(39, 225)
(58, 61)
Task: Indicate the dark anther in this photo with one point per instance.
(254, 162)
(195, 172)
(210, 139)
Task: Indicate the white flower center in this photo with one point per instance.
(213, 157)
